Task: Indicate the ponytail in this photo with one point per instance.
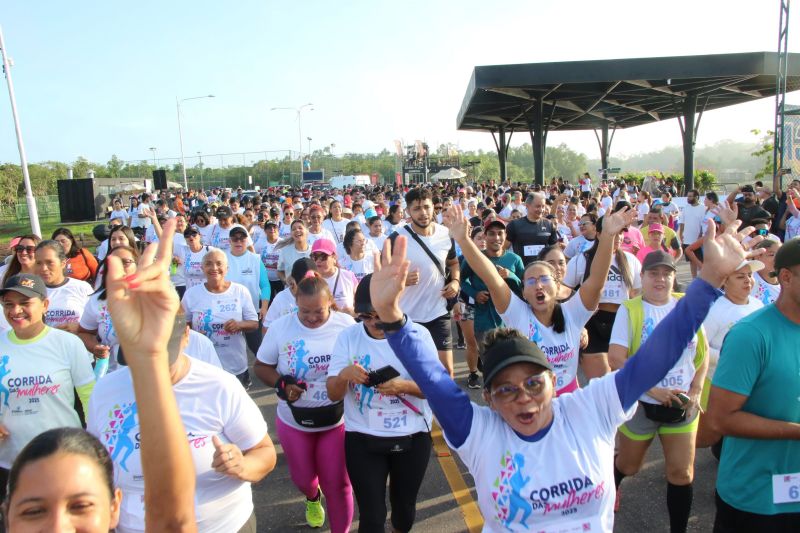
(314, 284)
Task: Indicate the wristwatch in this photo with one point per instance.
(392, 326)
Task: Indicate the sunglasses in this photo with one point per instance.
(533, 280)
(533, 386)
(26, 249)
(238, 239)
(319, 256)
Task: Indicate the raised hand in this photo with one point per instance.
(727, 212)
(722, 254)
(615, 222)
(457, 223)
(143, 305)
(389, 280)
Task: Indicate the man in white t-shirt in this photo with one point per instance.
(427, 290)
(691, 223)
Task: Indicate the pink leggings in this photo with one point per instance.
(316, 459)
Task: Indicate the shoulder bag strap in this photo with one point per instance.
(427, 250)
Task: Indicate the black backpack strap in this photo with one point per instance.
(427, 251)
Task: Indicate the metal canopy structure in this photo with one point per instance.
(606, 95)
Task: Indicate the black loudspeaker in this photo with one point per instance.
(160, 180)
(77, 200)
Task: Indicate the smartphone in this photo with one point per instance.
(382, 375)
(683, 401)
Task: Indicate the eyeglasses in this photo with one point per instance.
(364, 317)
(544, 279)
(533, 386)
(24, 249)
(319, 256)
(238, 239)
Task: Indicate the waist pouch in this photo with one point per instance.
(318, 417)
(389, 445)
(663, 414)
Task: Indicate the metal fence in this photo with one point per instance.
(12, 213)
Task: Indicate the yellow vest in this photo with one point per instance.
(636, 320)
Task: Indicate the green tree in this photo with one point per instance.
(764, 153)
(114, 166)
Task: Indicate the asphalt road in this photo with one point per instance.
(279, 506)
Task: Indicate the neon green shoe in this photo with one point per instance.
(315, 513)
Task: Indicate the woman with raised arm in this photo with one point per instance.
(556, 328)
(541, 461)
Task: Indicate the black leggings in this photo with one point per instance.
(732, 520)
(368, 472)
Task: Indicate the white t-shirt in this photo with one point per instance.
(670, 209)
(578, 245)
(365, 409)
(561, 482)
(97, 318)
(245, 269)
(388, 227)
(561, 349)
(720, 319)
(792, 227)
(424, 302)
(221, 237)
(207, 312)
(211, 402)
(200, 347)
(284, 303)
(337, 229)
(692, 217)
(122, 215)
(360, 267)
(343, 289)
(37, 378)
(284, 230)
(323, 234)
(641, 210)
(304, 353)
(614, 290)
(67, 302)
(259, 238)
(764, 292)
(288, 255)
(682, 374)
(191, 263)
(142, 209)
(269, 256)
(377, 241)
(205, 231)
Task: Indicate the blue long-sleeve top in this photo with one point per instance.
(654, 359)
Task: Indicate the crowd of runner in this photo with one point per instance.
(124, 372)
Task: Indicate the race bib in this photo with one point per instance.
(532, 250)
(395, 420)
(134, 504)
(676, 379)
(786, 488)
(317, 391)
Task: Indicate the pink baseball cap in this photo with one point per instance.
(325, 246)
(655, 227)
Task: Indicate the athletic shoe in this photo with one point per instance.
(461, 346)
(315, 514)
(474, 381)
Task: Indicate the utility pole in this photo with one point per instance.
(32, 211)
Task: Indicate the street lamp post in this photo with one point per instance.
(180, 133)
(33, 213)
(298, 110)
(153, 149)
(200, 157)
(309, 146)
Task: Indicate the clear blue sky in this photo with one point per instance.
(96, 78)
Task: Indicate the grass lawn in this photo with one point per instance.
(81, 230)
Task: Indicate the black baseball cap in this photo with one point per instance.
(270, 222)
(188, 232)
(362, 302)
(658, 258)
(509, 351)
(788, 255)
(224, 211)
(238, 230)
(29, 285)
(274, 212)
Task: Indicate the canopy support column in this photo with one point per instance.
(689, 134)
(538, 141)
(502, 150)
